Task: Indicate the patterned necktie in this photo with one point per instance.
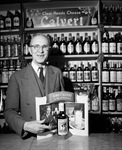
(41, 76)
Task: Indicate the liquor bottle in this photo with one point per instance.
(104, 16)
(2, 52)
(8, 46)
(94, 44)
(72, 72)
(11, 69)
(8, 21)
(118, 16)
(26, 45)
(78, 45)
(119, 99)
(80, 72)
(86, 44)
(17, 46)
(18, 65)
(95, 100)
(62, 120)
(111, 15)
(105, 46)
(29, 22)
(1, 66)
(105, 72)
(94, 72)
(63, 45)
(105, 99)
(119, 43)
(112, 99)
(2, 22)
(94, 18)
(119, 72)
(70, 45)
(113, 72)
(5, 72)
(87, 72)
(16, 20)
(55, 45)
(112, 43)
(65, 71)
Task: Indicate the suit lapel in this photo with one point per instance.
(34, 84)
(50, 79)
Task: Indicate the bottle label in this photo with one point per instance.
(16, 22)
(4, 76)
(105, 76)
(113, 76)
(1, 24)
(78, 48)
(105, 105)
(72, 76)
(65, 74)
(8, 22)
(94, 47)
(119, 104)
(119, 48)
(112, 48)
(87, 48)
(62, 126)
(95, 75)
(119, 76)
(79, 76)
(105, 47)
(70, 48)
(63, 48)
(87, 76)
(112, 105)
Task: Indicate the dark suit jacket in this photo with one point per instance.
(23, 87)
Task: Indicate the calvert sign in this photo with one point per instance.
(60, 17)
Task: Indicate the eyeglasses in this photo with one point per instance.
(37, 47)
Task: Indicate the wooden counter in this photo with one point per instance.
(110, 141)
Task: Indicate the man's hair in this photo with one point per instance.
(39, 34)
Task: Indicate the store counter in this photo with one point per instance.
(109, 141)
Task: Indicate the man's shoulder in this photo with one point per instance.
(54, 68)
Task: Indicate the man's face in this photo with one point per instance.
(39, 49)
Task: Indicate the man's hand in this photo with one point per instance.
(35, 126)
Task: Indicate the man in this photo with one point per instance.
(25, 85)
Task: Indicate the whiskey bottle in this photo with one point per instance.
(119, 43)
(5, 72)
(62, 120)
(118, 16)
(11, 69)
(112, 43)
(86, 44)
(65, 71)
(55, 45)
(95, 100)
(70, 45)
(94, 72)
(119, 72)
(72, 72)
(78, 45)
(119, 99)
(9, 21)
(94, 44)
(113, 72)
(2, 52)
(63, 45)
(87, 73)
(80, 72)
(111, 15)
(105, 99)
(105, 72)
(105, 46)
(2, 22)
(112, 99)
(104, 16)
(16, 20)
